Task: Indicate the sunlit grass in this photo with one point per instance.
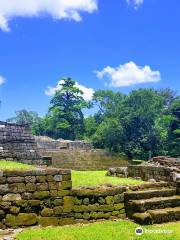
(110, 230)
(10, 165)
(95, 178)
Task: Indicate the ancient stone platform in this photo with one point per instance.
(18, 144)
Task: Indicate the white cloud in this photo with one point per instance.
(135, 3)
(128, 74)
(2, 80)
(87, 92)
(58, 9)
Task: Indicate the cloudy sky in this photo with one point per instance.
(119, 45)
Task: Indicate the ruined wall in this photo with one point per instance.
(18, 144)
(49, 144)
(144, 172)
(86, 159)
(45, 197)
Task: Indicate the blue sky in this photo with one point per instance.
(118, 45)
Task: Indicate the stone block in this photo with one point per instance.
(47, 212)
(15, 179)
(41, 194)
(10, 197)
(22, 219)
(58, 210)
(30, 179)
(48, 221)
(42, 187)
(14, 210)
(30, 187)
(68, 204)
(17, 187)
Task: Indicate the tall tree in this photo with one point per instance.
(65, 118)
(174, 130)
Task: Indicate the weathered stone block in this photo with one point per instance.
(58, 210)
(109, 200)
(10, 197)
(58, 202)
(66, 185)
(86, 201)
(4, 188)
(22, 219)
(119, 206)
(2, 214)
(68, 204)
(41, 194)
(34, 203)
(66, 221)
(64, 193)
(17, 187)
(47, 212)
(30, 187)
(41, 179)
(58, 178)
(14, 210)
(30, 179)
(22, 203)
(42, 187)
(15, 179)
(48, 221)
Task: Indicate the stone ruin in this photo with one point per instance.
(49, 144)
(161, 168)
(18, 144)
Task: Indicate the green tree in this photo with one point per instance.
(174, 130)
(65, 118)
(24, 117)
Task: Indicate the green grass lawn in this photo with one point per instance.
(95, 178)
(110, 230)
(10, 165)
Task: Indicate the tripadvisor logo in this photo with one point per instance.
(139, 231)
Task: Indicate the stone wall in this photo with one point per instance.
(45, 197)
(86, 159)
(144, 172)
(18, 144)
(49, 144)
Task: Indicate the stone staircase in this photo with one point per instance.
(151, 206)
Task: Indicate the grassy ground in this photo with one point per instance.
(95, 178)
(9, 165)
(111, 230)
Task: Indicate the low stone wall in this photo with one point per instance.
(45, 197)
(144, 172)
(85, 159)
(158, 173)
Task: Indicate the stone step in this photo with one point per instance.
(151, 193)
(157, 216)
(140, 206)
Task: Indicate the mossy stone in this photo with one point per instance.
(77, 201)
(34, 203)
(86, 201)
(41, 194)
(78, 215)
(101, 200)
(66, 221)
(63, 193)
(118, 198)
(22, 203)
(47, 212)
(48, 221)
(109, 199)
(14, 209)
(23, 219)
(58, 202)
(86, 216)
(68, 204)
(58, 210)
(66, 185)
(118, 206)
